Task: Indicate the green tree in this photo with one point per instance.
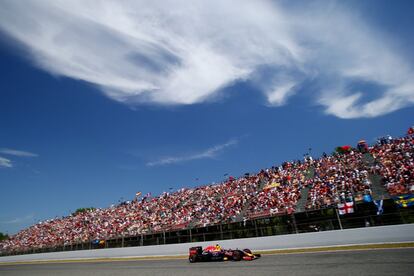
(82, 210)
(3, 236)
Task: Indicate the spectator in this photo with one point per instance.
(337, 178)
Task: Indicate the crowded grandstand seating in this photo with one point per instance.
(204, 205)
(273, 191)
(396, 164)
(282, 190)
(336, 178)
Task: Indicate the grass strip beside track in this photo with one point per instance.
(264, 252)
(339, 248)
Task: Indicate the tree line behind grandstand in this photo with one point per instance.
(3, 236)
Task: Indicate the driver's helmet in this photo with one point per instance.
(212, 248)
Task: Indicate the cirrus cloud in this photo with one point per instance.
(175, 52)
(19, 153)
(5, 163)
(205, 154)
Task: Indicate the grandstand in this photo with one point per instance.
(297, 196)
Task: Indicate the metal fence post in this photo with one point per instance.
(294, 223)
(339, 219)
(255, 228)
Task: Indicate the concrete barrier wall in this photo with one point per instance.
(383, 234)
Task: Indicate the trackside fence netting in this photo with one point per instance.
(365, 215)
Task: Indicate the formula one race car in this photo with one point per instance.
(216, 253)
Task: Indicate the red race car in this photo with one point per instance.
(216, 253)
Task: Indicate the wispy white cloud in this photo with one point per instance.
(279, 89)
(18, 153)
(8, 163)
(173, 52)
(18, 220)
(5, 163)
(208, 153)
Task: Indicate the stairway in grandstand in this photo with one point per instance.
(193, 223)
(243, 213)
(378, 190)
(301, 204)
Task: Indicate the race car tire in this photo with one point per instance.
(192, 258)
(237, 255)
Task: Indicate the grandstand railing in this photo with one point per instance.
(309, 221)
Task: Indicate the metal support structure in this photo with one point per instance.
(325, 219)
(294, 223)
(339, 219)
(255, 228)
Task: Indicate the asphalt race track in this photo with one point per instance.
(363, 262)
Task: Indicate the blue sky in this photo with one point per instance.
(100, 101)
